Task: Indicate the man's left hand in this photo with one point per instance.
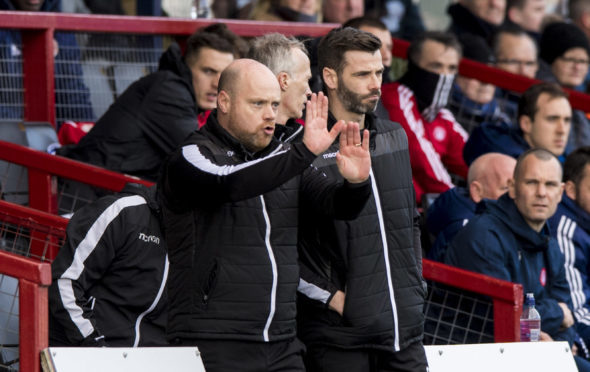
(354, 159)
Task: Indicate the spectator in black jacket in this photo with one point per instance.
(367, 316)
(109, 278)
(479, 17)
(157, 112)
(231, 196)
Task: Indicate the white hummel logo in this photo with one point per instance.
(149, 238)
(330, 155)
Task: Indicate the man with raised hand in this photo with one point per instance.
(367, 315)
(231, 198)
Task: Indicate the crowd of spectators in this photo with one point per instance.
(230, 140)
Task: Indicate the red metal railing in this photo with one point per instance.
(499, 78)
(33, 279)
(34, 276)
(507, 297)
(43, 169)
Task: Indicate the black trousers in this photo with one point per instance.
(232, 356)
(322, 358)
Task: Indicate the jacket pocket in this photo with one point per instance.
(208, 283)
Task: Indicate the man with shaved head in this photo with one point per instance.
(510, 240)
(231, 196)
(487, 179)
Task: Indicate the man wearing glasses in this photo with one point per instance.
(515, 51)
(565, 48)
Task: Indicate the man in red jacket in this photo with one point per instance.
(417, 102)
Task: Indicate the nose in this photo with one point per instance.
(307, 91)
(541, 189)
(375, 82)
(269, 113)
(496, 3)
(215, 80)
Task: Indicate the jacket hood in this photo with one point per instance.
(451, 206)
(573, 209)
(464, 21)
(48, 5)
(506, 212)
(497, 137)
(148, 193)
(172, 60)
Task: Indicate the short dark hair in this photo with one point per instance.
(509, 29)
(527, 104)
(366, 21)
(241, 46)
(539, 153)
(515, 4)
(338, 41)
(447, 39)
(200, 40)
(575, 164)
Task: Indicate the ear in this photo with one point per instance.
(476, 191)
(512, 188)
(330, 78)
(570, 189)
(223, 102)
(525, 123)
(284, 81)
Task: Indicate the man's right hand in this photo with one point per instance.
(316, 136)
(337, 302)
(568, 318)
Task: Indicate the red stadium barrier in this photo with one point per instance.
(25, 234)
(43, 233)
(506, 297)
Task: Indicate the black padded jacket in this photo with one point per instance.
(109, 277)
(376, 259)
(231, 219)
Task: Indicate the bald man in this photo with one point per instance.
(487, 179)
(231, 195)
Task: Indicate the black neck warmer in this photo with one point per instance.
(431, 90)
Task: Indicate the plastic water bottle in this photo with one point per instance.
(530, 321)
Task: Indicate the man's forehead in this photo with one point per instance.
(535, 168)
(548, 105)
(433, 50)
(361, 60)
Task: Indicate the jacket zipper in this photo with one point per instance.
(153, 305)
(386, 258)
(273, 264)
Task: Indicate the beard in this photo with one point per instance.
(353, 102)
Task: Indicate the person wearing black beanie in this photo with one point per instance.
(565, 48)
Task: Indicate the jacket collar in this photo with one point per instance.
(463, 20)
(582, 217)
(507, 213)
(370, 119)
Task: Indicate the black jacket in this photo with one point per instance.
(464, 21)
(149, 121)
(231, 224)
(375, 259)
(109, 277)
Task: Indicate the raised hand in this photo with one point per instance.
(316, 136)
(354, 159)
